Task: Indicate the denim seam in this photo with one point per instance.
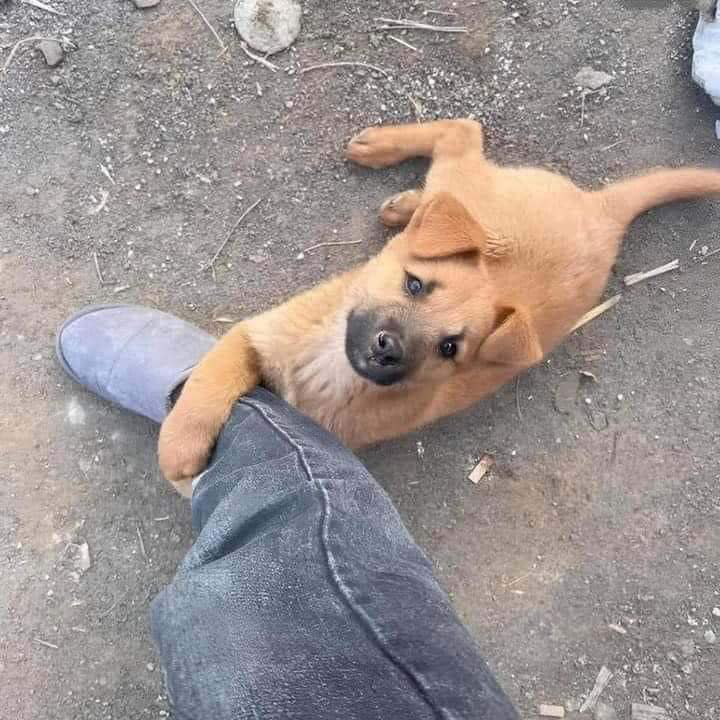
(344, 591)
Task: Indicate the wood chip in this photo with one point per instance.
(347, 63)
(603, 678)
(641, 711)
(481, 469)
(553, 711)
(619, 629)
(640, 276)
(599, 310)
(402, 23)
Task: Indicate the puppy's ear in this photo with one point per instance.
(443, 227)
(513, 342)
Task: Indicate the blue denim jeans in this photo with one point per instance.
(304, 597)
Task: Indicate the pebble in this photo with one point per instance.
(716, 611)
(592, 79)
(268, 26)
(710, 637)
(143, 4)
(604, 712)
(52, 52)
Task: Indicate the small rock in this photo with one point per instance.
(604, 712)
(52, 52)
(592, 79)
(150, 667)
(710, 637)
(144, 4)
(268, 26)
(687, 668)
(716, 611)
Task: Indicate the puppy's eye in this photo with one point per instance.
(413, 285)
(448, 348)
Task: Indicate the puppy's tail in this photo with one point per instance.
(625, 200)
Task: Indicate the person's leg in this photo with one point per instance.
(304, 596)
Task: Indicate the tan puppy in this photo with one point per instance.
(495, 266)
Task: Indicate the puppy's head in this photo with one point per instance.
(426, 306)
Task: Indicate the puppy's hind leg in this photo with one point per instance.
(389, 145)
(397, 210)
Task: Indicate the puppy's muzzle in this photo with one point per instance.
(375, 348)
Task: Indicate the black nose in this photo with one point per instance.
(387, 348)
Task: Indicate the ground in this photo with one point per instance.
(604, 515)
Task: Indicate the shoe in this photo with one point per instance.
(706, 54)
(133, 356)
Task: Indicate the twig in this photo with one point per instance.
(400, 41)
(103, 202)
(693, 244)
(518, 579)
(582, 109)
(517, 398)
(257, 58)
(45, 643)
(211, 264)
(97, 269)
(710, 254)
(404, 24)
(615, 144)
(599, 310)
(43, 6)
(34, 38)
(439, 12)
(331, 244)
(106, 173)
(142, 543)
(640, 276)
(210, 27)
(344, 64)
(603, 678)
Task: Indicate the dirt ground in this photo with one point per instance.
(606, 515)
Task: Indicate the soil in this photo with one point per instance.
(605, 514)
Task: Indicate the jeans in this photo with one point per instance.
(304, 596)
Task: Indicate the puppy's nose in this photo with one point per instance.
(387, 348)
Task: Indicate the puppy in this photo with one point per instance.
(492, 270)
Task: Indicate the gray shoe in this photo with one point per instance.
(133, 356)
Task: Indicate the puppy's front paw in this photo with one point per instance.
(374, 147)
(398, 209)
(184, 447)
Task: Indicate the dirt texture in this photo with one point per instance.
(606, 513)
